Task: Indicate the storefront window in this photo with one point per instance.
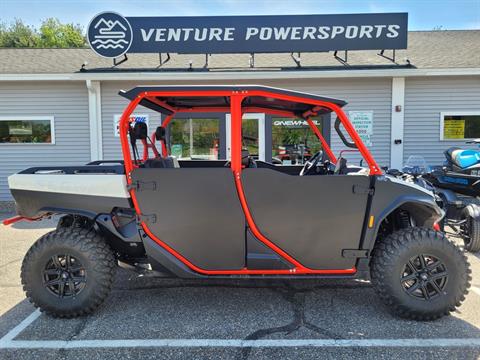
(456, 126)
(250, 135)
(293, 141)
(195, 138)
(26, 130)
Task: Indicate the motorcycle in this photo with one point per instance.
(464, 161)
(459, 199)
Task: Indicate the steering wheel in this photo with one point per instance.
(311, 163)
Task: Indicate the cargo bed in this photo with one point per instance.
(90, 189)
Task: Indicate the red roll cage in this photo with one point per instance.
(235, 97)
(236, 109)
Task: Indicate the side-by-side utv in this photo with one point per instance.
(210, 219)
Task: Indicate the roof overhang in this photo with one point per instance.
(241, 75)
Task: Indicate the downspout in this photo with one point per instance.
(95, 119)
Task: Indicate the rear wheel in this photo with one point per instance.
(471, 228)
(419, 273)
(68, 272)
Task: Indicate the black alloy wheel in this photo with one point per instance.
(68, 272)
(419, 273)
(64, 276)
(424, 277)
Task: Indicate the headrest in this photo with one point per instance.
(140, 130)
(160, 133)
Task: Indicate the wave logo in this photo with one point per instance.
(109, 34)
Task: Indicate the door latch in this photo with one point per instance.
(363, 190)
(149, 218)
(354, 253)
(142, 186)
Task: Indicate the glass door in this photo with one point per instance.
(195, 138)
(253, 134)
(293, 142)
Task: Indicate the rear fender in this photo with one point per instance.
(120, 231)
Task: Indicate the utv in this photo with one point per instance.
(211, 219)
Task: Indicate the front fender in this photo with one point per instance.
(391, 194)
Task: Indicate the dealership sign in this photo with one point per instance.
(112, 35)
(294, 123)
(134, 118)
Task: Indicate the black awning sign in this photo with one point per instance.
(112, 35)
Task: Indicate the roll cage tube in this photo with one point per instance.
(236, 110)
(322, 140)
(342, 136)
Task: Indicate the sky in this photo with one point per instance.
(423, 14)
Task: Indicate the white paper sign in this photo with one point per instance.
(133, 118)
(363, 124)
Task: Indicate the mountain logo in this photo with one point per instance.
(109, 34)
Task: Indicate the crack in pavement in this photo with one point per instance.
(64, 353)
(296, 297)
(78, 329)
(10, 263)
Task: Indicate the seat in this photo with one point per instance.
(341, 166)
(247, 160)
(162, 162)
(140, 131)
(463, 158)
(160, 137)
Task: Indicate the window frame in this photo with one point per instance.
(31, 118)
(455, 113)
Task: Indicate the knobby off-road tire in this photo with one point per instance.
(471, 214)
(396, 258)
(68, 253)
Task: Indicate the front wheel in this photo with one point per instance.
(471, 228)
(419, 274)
(68, 272)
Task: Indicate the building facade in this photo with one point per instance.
(60, 106)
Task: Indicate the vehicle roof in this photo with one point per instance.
(188, 102)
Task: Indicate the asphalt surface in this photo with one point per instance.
(282, 312)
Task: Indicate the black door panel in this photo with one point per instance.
(312, 218)
(198, 214)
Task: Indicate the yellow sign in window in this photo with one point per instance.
(454, 129)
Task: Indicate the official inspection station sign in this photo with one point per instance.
(362, 121)
(111, 35)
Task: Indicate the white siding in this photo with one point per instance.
(113, 104)
(361, 94)
(425, 98)
(67, 102)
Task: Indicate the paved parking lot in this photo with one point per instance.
(166, 318)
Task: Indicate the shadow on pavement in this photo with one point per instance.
(154, 308)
